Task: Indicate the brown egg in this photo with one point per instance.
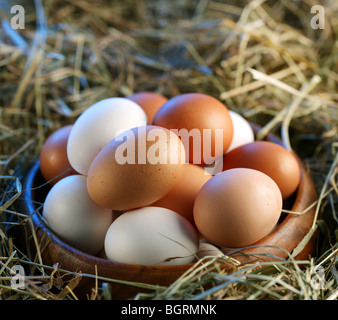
(54, 164)
(182, 196)
(203, 123)
(150, 102)
(270, 158)
(136, 168)
(237, 207)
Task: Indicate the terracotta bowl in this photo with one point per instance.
(282, 240)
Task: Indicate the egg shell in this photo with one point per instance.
(150, 102)
(71, 214)
(237, 207)
(54, 164)
(243, 132)
(182, 196)
(99, 124)
(136, 168)
(205, 118)
(151, 236)
(206, 249)
(270, 158)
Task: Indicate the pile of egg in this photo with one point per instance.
(156, 211)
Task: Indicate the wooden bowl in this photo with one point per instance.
(281, 241)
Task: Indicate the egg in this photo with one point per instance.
(150, 102)
(54, 164)
(237, 207)
(136, 168)
(201, 121)
(181, 197)
(71, 214)
(99, 124)
(151, 236)
(206, 249)
(270, 158)
(243, 132)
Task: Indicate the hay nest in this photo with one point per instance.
(264, 59)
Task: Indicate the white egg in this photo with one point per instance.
(243, 132)
(207, 249)
(71, 214)
(99, 124)
(151, 236)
